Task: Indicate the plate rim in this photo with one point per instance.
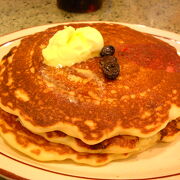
(11, 174)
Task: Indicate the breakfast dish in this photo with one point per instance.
(90, 92)
(167, 167)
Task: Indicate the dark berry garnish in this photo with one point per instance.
(110, 67)
(107, 51)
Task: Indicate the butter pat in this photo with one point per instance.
(70, 46)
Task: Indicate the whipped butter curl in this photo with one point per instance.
(70, 46)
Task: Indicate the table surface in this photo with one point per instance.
(162, 14)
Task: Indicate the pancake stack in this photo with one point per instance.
(77, 113)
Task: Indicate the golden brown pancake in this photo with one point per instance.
(40, 149)
(80, 101)
(118, 144)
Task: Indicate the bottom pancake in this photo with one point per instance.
(119, 144)
(40, 149)
(116, 145)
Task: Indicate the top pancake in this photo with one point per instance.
(79, 101)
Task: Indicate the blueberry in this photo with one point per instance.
(107, 51)
(110, 67)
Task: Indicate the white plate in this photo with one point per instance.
(160, 162)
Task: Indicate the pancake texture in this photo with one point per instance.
(118, 144)
(40, 149)
(79, 101)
